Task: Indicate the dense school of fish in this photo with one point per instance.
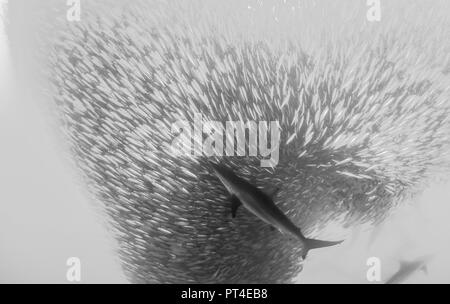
(363, 109)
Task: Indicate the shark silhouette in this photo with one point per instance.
(262, 205)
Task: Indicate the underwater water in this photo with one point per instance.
(47, 215)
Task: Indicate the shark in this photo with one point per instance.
(408, 268)
(262, 206)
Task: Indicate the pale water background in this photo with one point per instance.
(45, 217)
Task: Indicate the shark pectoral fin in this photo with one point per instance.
(235, 203)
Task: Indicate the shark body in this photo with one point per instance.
(262, 205)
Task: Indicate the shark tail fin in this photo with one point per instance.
(314, 244)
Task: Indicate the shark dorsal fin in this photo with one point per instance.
(408, 264)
